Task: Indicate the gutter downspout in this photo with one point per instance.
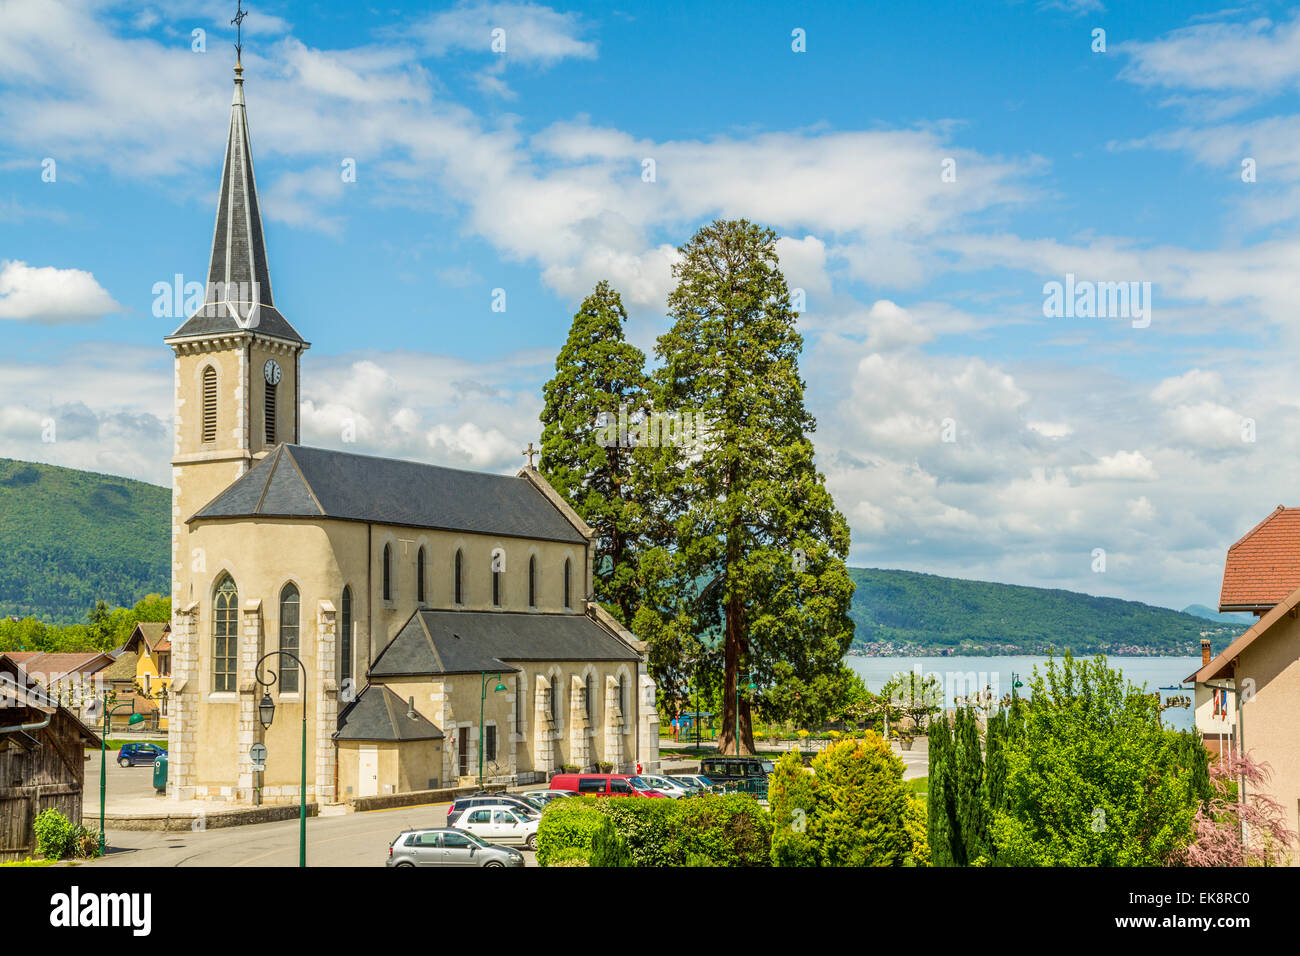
(23, 728)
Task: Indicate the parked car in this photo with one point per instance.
(741, 774)
(132, 755)
(668, 786)
(448, 847)
(459, 807)
(604, 785)
(703, 784)
(501, 823)
(546, 796)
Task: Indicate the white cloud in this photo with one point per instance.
(1121, 466)
(533, 34)
(49, 296)
(1259, 55)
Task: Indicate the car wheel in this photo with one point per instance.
(495, 863)
(404, 864)
(124, 761)
(531, 842)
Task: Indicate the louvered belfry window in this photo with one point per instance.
(209, 404)
(270, 414)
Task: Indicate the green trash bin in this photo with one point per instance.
(160, 774)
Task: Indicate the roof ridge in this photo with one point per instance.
(1267, 518)
(428, 636)
(266, 485)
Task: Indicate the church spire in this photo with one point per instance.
(238, 292)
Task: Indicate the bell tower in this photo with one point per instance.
(237, 359)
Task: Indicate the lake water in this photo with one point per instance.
(966, 675)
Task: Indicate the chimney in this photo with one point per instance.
(1205, 651)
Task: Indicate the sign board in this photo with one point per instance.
(257, 753)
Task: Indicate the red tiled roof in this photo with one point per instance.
(1264, 566)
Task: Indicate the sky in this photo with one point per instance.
(933, 172)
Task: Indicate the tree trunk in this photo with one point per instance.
(727, 733)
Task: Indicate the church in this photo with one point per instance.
(444, 619)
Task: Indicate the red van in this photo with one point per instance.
(604, 785)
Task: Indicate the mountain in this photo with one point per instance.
(907, 612)
(1209, 614)
(69, 538)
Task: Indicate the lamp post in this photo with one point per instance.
(266, 714)
(135, 718)
(482, 700)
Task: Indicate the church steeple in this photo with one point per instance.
(238, 295)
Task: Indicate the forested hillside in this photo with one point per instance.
(908, 612)
(71, 538)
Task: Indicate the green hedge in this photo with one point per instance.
(730, 830)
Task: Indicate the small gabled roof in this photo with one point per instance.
(295, 481)
(468, 642)
(379, 714)
(18, 690)
(56, 665)
(1263, 567)
(154, 634)
(1221, 666)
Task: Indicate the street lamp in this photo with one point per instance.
(482, 700)
(134, 719)
(266, 714)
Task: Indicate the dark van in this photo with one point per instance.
(603, 785)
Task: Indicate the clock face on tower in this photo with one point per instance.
(272, 372)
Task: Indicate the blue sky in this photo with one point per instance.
(522, 170)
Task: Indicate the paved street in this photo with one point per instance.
(354, 839)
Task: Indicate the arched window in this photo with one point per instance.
(270, 413)
(568, 567)
(587, 698)
(345, 636)
(532, 581)
(496, 588)
(457, 577)
(388, 572)
(209, 404)
(419, 575)
(555, 698)
(288, 639)
(225, 634)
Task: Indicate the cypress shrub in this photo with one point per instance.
(727, 830)
(569, 823)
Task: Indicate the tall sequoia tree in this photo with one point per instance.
(759, 545)
(596, 372)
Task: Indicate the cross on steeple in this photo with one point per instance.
(240, 13)
(530, 451)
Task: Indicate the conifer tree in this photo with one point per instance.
(597, 373)
(759, 544)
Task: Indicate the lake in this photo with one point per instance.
(965, 675)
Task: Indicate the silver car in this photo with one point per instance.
(447, 846)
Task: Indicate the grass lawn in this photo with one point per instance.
(920, 786)
(30, 863)
(117, 744)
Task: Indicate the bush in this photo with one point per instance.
(648, 827)
(608, 848)
(730, 830)
(916, 831)
(862, 805)
(569, 856)
(58, 837)
(567, 824)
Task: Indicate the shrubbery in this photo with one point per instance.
(58, 837)
(731, 830)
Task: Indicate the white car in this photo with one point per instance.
(668, 786)
(546, 796)
(500, 824)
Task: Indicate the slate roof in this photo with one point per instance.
(237, 267)
(379, 714)
(467, 642)
(299, 482)
(1263, 567)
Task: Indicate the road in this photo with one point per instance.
(353, 839)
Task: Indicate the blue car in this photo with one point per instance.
(132, 755)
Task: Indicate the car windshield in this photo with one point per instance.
(769, 767)
(639, 784)
(705, 780)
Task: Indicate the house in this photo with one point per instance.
(149, 652)
(1257, 676)
(42, 759)
(73, 678)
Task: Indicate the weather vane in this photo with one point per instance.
(240, 13)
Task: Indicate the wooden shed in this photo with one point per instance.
(42, 760)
